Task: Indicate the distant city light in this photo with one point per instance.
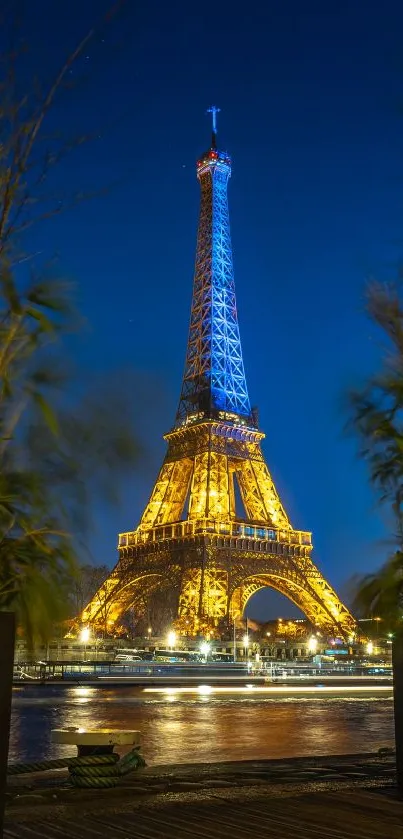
(319, 690)
(205, 648)
(85, 635)
(204, 690)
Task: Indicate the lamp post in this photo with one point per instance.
(205, 649)
(171, 638)
(84, 638)
(312, 645)
(149, 633)
(246, 645)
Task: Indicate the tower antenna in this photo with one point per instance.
(214, 111)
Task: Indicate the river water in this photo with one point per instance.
(195, 728)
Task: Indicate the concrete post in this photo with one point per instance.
(7, 635)
(397, 662)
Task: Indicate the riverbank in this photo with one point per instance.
(342, 796)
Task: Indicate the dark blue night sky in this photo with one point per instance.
(311, 95)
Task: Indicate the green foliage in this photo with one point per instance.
(377, 420)
(58, 454)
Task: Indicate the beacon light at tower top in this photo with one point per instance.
(214, 530)
(213, 160)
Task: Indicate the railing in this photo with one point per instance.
(183, 529)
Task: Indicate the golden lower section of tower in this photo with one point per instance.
(216, 567)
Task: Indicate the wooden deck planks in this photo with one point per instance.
(336, 815)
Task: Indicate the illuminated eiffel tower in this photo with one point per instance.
(191, 535)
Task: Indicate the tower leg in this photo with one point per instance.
(189, 602)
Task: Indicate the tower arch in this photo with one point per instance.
(313, 606)
(117, 596)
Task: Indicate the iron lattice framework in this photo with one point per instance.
(192, 536)
(214, 377)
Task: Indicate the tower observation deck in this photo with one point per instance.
(214, 529)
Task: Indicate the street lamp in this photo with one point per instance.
(84, 638)
(205, 649)
(312, 644)
(370, 648)
(171, 638)
(149, 632)
(246, 644)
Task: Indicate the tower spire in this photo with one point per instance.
(214, 381)
(214, 111)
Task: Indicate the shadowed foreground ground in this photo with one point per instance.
(348, 797)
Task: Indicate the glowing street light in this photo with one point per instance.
(149, 632)
(205, 649)
(85, 635)
(171, 638)
(84, 638)
(312, 644)
(370, 648)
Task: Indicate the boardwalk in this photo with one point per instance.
(345, 797)
(342, 815)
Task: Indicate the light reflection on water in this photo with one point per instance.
(200, 728)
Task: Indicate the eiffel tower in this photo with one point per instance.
(191, 535)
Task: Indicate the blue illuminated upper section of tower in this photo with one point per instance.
(214, 384)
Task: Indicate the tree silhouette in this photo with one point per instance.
(377, 419)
